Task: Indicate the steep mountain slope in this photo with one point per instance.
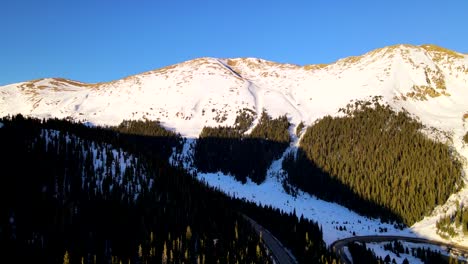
(430, 82)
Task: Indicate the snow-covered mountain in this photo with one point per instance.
(428, 81)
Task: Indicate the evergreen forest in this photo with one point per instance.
(231, 151)
(375, 161)
(76, 194)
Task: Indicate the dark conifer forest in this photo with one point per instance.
(375, 161)
(229, 150)
(361, 254)
(74, 194)
(150, 137)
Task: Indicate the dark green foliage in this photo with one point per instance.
(150, 136)
(144, 128)
(221, 132)
(447, 224)
(465, 138)
(328, 188)
(361, 254)
(375, 155)
(299, 128)
(244, 120)
(228, 150)
(275, 130)
(63, 202)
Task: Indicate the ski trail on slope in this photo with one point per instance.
(257, 93)
(254, 91)
(229, 68)
(276, 167)
(291, 102)
(251, 87)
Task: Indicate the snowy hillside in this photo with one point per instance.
(209, 91)
(430, 82)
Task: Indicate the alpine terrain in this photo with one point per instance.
(375, 144)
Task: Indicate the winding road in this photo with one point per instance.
(338, 246)
(279, 252)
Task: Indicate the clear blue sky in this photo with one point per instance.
(103, 40)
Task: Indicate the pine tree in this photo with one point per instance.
(164, 254)
(258, 251)
(188, 233)
(66, 258)
(140, 251)
(236, 232)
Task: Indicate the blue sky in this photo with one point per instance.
(103, 40)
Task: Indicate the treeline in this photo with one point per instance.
(446, 226)
(150, 136)
(376, 162)
(96, 198)
(229, 150)
(147, 137)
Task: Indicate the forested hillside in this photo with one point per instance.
(375, 161)
(150, 137)
(229, 150)
(90, 195)
(450, 225)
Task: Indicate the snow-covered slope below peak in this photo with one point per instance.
(210, 91)
(185, 97)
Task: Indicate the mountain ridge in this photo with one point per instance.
(428, 47)
(210, 91)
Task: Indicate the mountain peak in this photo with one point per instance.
(211, 91)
